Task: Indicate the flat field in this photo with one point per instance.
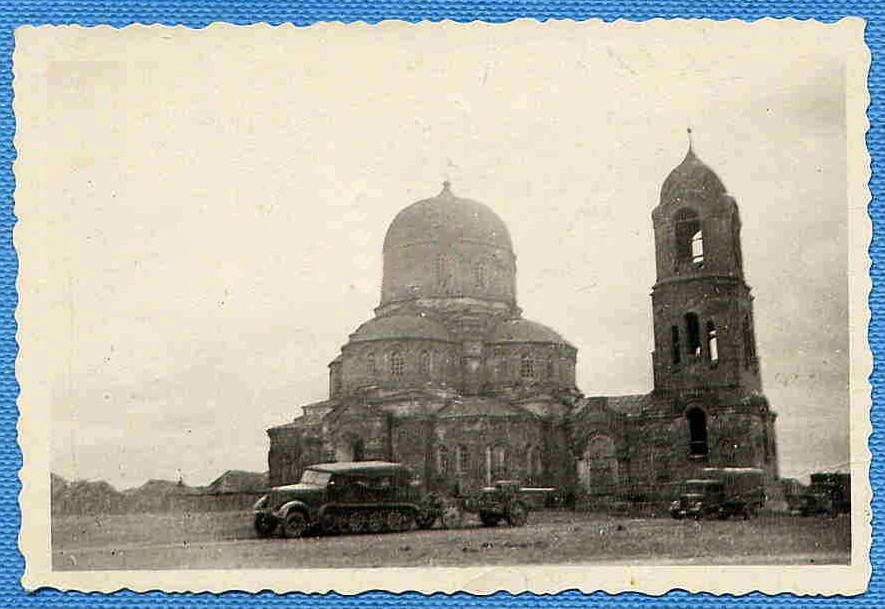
(225, 540)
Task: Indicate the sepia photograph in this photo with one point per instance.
(444, 307)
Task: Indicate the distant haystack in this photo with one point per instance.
(85, 497)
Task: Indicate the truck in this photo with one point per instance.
(721, 492)
(506, 500)
(829, 494)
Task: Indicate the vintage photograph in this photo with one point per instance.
(439, 306)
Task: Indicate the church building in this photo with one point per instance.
(450, 378)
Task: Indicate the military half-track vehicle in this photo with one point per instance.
(347, 497)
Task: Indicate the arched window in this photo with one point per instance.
(371, 369)
(480, 275)
(534, 466)
(500, 459)
(527, 366)
(693, 334)
(444, 274)
(675, 347)
(697, 432)
(697, 249)
(689, 237)
(442, 459)
(461, 459)
(397, 364)
(440, 271)
(424, 363)
(712, 343)
(334, 381)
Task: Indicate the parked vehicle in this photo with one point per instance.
(349, 497)
(828, 493)
(723, 492)
(506, 500)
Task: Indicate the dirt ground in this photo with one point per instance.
(226, 541)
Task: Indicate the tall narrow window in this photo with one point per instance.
(697, 249)
(424, 363)
(442, 460)
(440, 271)
(358, 449)
(697, 432)
(675, 348)
(500, 461)
(712, 343)
(693, 334)
(749, 343)
(370, 364)
(480, 275)
(688, 237)
(397, 364)
(460, 459)
(527, 366)
(335, 381)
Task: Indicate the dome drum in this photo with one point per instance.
(398, 364)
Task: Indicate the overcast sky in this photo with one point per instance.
(206, 211)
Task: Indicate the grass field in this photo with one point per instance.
(226, 540)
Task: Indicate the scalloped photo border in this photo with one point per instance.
(201, 14)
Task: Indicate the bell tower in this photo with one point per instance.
(702, 308)
(706, 369)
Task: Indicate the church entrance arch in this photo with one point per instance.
(697, 432)
(598, 466)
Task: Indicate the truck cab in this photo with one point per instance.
(723, 492)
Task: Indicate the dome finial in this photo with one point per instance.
(446, 189)
(690, 143)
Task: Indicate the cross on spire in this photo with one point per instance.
(690, 142)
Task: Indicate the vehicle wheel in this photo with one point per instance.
(329, 523)
(294, 524)
(265, 525)
(425, 521)
(517, 514)
(357, 523)
(489, 520)
(396, 521)
(376, 522)
(452, 518)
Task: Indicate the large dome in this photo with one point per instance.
(447, 218)
(448, 249)
(692, 177)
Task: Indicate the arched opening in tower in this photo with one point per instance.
(712, 343)
(697, 249)
(697, 432)
(689, 238)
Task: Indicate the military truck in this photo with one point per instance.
(347, 497)
(506, 500)
(721, 492)
(828, 494)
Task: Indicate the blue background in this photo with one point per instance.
(198, 13)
